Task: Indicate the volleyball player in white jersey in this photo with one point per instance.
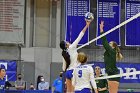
(69, 53)
(83, 76)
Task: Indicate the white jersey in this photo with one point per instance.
(83, 77)
(72, 50)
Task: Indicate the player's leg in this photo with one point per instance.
(69, 86)
(113, 86)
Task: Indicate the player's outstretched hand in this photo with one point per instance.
(88, 22)
(101, 26)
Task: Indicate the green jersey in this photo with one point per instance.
(109, 57)
(102, 84)
(110, 60)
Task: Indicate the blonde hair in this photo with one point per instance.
(118, 54)
(82, 58)
(118, 51)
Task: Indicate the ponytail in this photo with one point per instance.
(66, 56)
(118, 54)
(118, 51)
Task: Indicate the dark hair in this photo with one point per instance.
(63, 45)
(65, 54)
(61, 73)
(19, 74)
(31, 83)
(2, 66)
(97, 66)
(95, 69)
(38, 80)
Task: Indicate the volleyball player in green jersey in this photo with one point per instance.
(102, 85)
(111, 55)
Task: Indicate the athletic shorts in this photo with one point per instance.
(103, 91)
(113, 72)
(69, 74)
(85, 90)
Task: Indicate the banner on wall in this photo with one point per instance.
(11, 69)
(75, 20)
(12, 14)
(109, 12)
(123, 68)
(132, 29)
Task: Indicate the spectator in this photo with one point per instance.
(43, 85)
(7, 85)
(57, 84)
(32, 87)
(20, 83)
(38, 81)
(2, 75)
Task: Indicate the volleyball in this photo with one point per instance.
(89, 16)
